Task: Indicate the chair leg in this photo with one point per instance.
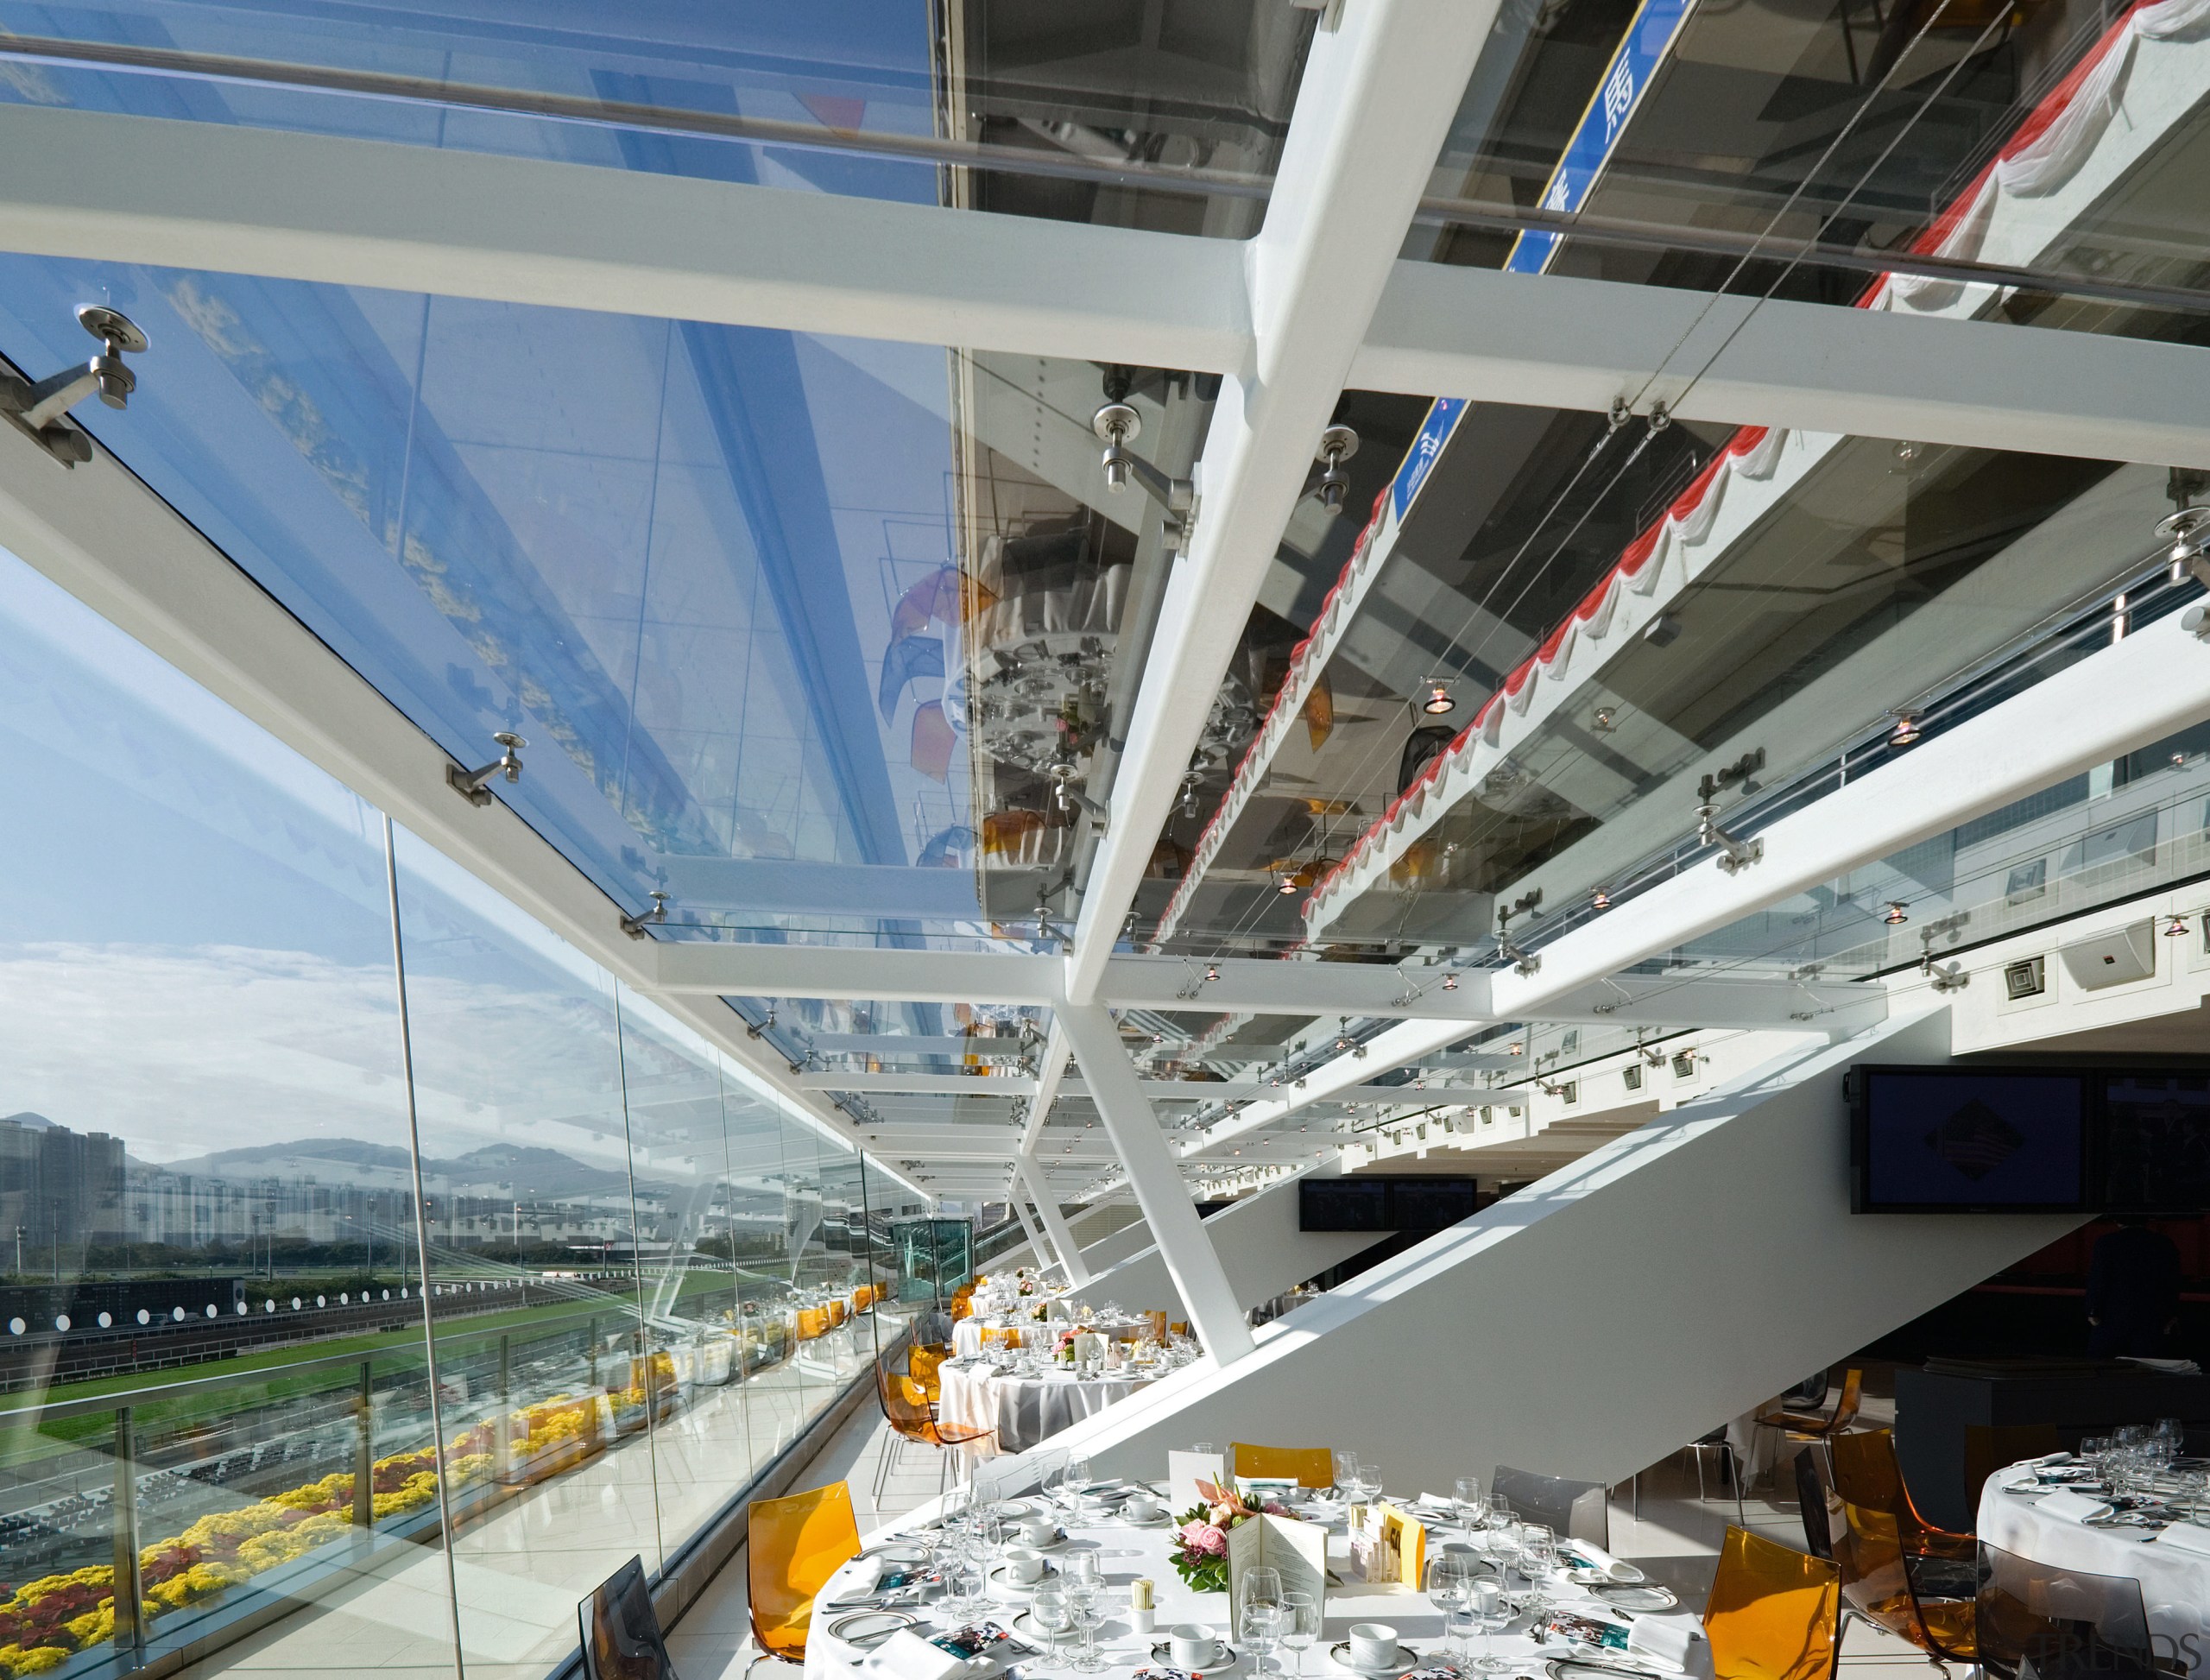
(1734, 1475)
(1695, 1452)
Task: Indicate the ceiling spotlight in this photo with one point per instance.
(1896, 916)
(1190, 796)
(1604, 721)
(1212, 970)
(1449, 982)
(1516, 1050)
(1906, 729)
(2176, 928)
(1599, 900)
(1288, 887)
(1438, 699)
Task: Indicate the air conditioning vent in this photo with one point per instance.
(2026, 979)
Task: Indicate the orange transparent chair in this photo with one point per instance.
(1157, 1323)
(1880, 1583)
(921, 1365)
(811, 1322)
(1179, 1327)
(992, 1335)
(836, 1313)
(907, 1410)
(1865, 1473)
(1773, 1613)
(792, 1547)
(1312, 1467)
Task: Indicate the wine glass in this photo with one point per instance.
(1486, 1601)
(1300, 1625)
(1537, 1558)
(1077, 1478)
(1460, 1625)
(1500, 1515)
(1261, 1585)
(1260, 1627)
(1084, 1574)
(1345, 1470)
(1449, 1576)
(1053, 1615)
(1468, 1492)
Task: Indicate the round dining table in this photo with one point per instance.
(1129, 1552)
(2175, 1580)
(967, 1334)
(1011, 1412)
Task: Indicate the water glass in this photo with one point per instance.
(1077, 1478)
(1300, 1625)
(1053, 1616)
(1500, 1514)
(1460, 1628)
(1467, 1499)
(1261, 1586)
(1084, 1575)
(1450, 1577)
(1260, 1627)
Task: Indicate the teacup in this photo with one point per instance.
(1024, 1564)
(1142, 1509)
(1373, 1645)
(1038, 1530)
(1193, 1647)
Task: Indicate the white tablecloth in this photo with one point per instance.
(1132, 1552)
(2175, 1584)
(1022, 1410)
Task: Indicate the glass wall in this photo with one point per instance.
(229, 1209)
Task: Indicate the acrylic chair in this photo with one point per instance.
(912, 1417)
(1811, 1500)
(792, 1547)
(1866, 1473)
(1819, 1425)
(1157, 1322)
(1879, 1583)
(2038, 1620)
(1580, 1509)
(1312, 1467)
(921, 1365)
(1773, 1613)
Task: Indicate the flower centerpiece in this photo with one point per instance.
(1201, 1542)
(1064, 1350)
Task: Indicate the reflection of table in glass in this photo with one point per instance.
(1023, 1410)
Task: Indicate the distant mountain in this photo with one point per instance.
(546, 1171)
(530, 1171)
(35, 1122)
(340, 1152)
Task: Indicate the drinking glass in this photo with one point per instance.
(1085, 1580)
(1345, 1470)
(1485, 1600)
(1460, 1626)
(1449, 1576)
(1053, 1616)
(1538, 1557)
(1260, 1627)
(1078, 1479)
(1261, 1586)
(1300, 1625)
(1468, 1501)
(1500, 1515)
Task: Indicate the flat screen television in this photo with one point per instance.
(2155, 1136)
(1964, 1140)
(1412, 1203)
(621, 1630)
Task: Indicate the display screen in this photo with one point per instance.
(1964, 1140)
(1416, 1203)
(2156, 1143)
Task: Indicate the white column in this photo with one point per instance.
(1044, 1260)
(1047, 1209)
(1111, 1080)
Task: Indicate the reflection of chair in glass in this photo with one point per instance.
(1773, 1613)
(1882, 1583)
(1818, 1426)
(921, 1365)
(792, 1547)
(1311, 1467)
(993, 1335)
(1580, 1509)
(1812, 1499)
(1990, 1447)
(836, 1313)
(907, 1409)
(2038, 1620)
(812, 1322)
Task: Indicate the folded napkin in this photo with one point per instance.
(906, 1656)
(1600, 1559)
(1668, 1639)
(860, 1575)
(2186, 1536)
(2171, 1367)
(2077, 1507)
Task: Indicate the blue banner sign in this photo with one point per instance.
(1648, 39)
(1427, 448)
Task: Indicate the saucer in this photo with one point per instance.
(1634, 1596)
(1224, 1652)
(868, 1628)
(1406, 1657)
(1001, 1581)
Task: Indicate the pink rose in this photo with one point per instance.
(1276, 1508)
(1212, 1541)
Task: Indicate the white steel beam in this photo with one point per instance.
(414, 218)
(101, 535)
(1049, 1073)
(1554, 341)
(1044, 1256)
(1047, 1209)
(1158, 1184)
(568, 236)
(2121, 697)
(1376, 100)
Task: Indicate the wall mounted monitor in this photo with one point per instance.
(1412, 1203)
(2154, 1143)
(1964, 1140)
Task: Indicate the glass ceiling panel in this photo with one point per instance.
(1169, 113)
(1682, 146)
(733, 586)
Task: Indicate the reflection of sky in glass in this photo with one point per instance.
(830, 65)
(675, 557)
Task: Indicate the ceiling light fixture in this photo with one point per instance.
(1906, 729)
(1212, 970)
(1449, 982)
(1438, 699)
(2176, 928)
(1599, 900)
(1896, 916)
(1288, 887)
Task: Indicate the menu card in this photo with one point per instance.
(1184, 1470)
(1388, 1544)
(1299, 1550)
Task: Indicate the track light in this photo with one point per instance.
(1212, 970)
(1288, 887)
(1906, 729)
(2176, 928)
(1896, 916)
(1599, 900)
(1189, 807)
(1438, 699)
(1449, 982)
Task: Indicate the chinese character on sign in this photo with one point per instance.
(1560, 197)
(1619, 94)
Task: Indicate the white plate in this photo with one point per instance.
(867, 1629)
(1639, 1596)
(902, 1552)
